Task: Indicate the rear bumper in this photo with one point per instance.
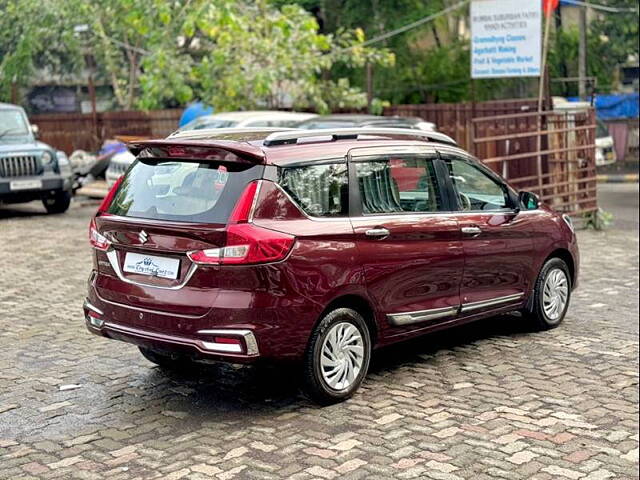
(204, 347)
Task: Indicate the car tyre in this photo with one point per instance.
(551, 295)
(165, 361)
(337, 357)
(58, 202)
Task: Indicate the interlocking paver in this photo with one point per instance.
(490, 400)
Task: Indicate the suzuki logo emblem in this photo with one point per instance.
(143, 237)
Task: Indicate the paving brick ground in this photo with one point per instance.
(487, 401)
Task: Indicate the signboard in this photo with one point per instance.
(506, 38)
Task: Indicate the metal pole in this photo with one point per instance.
(472, 125)
(582, 55)
(90, 63)
(545, 47)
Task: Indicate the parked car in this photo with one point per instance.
(605, 147)
(29, 169)
(267, 118)
(254, 119)
(120, 159)
(317, 247)
(357, 120)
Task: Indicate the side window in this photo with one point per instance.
(320, 190)
(475, 189)
(398, 184)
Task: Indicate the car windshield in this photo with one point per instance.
(13, 123)
(320, 124)
(201, 123)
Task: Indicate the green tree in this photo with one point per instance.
(233, 54)
(255, 55)
(35, 36)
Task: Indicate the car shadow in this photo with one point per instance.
(207, 390)
(22, 210)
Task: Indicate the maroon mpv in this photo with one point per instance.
(316, 246)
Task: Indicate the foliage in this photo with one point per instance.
(620, 31)
(268, 57)
(232, 54)
(433, 60)
(598, 220)
(607, 47)
(35, 35)
(241, 54)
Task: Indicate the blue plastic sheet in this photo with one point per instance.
(609, 107)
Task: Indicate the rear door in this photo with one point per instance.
(163, 209)
(409, 245)
(497, 240)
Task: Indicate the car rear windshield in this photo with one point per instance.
(182, 191)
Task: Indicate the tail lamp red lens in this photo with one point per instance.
(246, 243)
(227, 340)
(242, 210)
(96, 239)
(106, 202)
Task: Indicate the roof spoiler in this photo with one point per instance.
(203, 150)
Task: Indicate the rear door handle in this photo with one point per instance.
(471, 231)
(377, 233)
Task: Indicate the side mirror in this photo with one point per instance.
(528, 200)
(35, 130)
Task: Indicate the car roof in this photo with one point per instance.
(359, 119)
(239, 116)
(8, 106)
(323, 150)
(259, 145)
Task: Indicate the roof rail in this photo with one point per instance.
(220, 132)
(292, 137)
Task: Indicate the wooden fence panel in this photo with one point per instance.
(503, 134)
(76, 131)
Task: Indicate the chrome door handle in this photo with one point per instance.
(377, 233)
(474, 231)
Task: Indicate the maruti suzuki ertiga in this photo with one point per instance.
(317, 247)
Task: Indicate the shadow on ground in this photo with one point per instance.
(205, 390)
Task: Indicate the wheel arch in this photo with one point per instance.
(360, 304)
(566, 256)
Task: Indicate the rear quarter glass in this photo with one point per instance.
(182, 191)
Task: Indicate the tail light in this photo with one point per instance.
(246, 243)
(96, 239)
(106, 202)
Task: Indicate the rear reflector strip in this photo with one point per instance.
(222, 347)
(95, 322)
(229, 333)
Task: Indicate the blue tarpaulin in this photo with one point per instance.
(194, 111)
(609, 107)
